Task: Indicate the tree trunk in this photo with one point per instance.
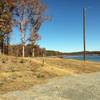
(23, 51)
(33, 52)
(0, 51)
(3, 47)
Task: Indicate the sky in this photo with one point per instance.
(64, 32)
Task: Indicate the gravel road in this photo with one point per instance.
(80, 87)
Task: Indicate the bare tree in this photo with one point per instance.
(27, 14)
(34, 36)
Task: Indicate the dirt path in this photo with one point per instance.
(81, 87)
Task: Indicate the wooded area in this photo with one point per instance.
(25, 15)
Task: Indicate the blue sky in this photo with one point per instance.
(65, 31)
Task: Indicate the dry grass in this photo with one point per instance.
(18, 73)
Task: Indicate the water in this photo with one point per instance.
(88, 57)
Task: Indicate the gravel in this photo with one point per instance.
(80, 87)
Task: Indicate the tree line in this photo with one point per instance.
(27, 16)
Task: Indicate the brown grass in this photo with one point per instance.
(15, 75)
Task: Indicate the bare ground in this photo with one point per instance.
(80, 87)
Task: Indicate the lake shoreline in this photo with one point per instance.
(92, 58)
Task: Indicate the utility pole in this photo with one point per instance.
(44, 55)
(84, 33)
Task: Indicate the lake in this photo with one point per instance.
(88, 57)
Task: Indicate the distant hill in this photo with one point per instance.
(87, 52)
(57, 53)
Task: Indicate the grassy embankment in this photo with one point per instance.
(18, 74)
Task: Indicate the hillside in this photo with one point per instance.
(19, 74)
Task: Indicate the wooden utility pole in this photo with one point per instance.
(84, 33)
(44, 55)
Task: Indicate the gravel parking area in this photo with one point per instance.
(80, 87)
